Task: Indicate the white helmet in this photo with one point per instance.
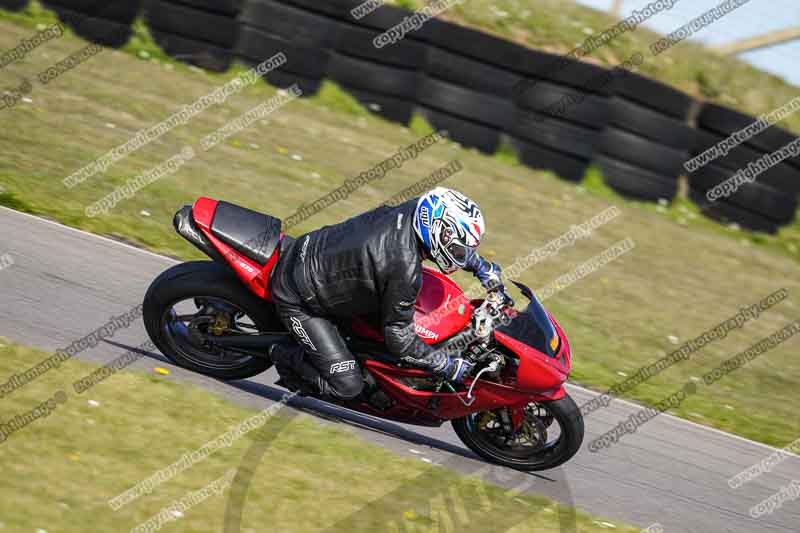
(450, 226)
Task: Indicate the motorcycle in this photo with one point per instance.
(217, 318)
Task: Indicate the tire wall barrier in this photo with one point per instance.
(13, 5)
(559, 114)
(764, 204)
(105, 22)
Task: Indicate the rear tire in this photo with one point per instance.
(564, 411)
(205, 279)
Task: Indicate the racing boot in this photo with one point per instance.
(295, 374)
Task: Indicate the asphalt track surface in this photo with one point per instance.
(65, 283)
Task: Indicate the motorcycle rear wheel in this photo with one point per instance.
(214, 287)
(542, 455)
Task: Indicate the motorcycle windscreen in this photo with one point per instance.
(534, 328)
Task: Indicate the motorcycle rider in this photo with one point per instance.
(371, 264)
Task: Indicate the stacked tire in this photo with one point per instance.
(647, 140)
(764, 204)
(199, 32)
(391, 91)
(471, 118)
(385, 80)
(465, 94)
(562, 109)
(305, 37)
(104, 22)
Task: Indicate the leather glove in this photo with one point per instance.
(455, 369)
(507, 299)
(488, 274)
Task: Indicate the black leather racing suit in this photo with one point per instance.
(368, 265)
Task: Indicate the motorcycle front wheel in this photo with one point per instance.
(550, 434)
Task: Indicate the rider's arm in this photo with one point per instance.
(398, 299)
(487, 272)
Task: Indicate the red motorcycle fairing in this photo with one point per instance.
(428, 408)
(536, 372)
(439, 294)
(254, 275)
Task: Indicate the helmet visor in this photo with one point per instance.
(461, 254)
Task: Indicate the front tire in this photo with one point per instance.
(205, 281)
(542, 456)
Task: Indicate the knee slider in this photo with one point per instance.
(346, 386)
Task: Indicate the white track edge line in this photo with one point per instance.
(96, 236)
(690, 422)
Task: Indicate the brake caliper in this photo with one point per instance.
(220, 324)
(484, 419)
(517, 417)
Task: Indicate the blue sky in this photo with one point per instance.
(754, 18)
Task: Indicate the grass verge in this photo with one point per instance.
(95, 445)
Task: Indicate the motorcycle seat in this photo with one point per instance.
(254, 235)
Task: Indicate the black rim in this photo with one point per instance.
(536, 442)
(190, 332)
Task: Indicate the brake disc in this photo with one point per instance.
(535, 431)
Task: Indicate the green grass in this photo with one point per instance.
(104, 441)
(335, 98)
(686, 273)
(9, 199)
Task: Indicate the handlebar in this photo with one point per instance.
(484, 321)
(457, 343)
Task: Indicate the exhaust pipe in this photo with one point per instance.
(186, 228)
